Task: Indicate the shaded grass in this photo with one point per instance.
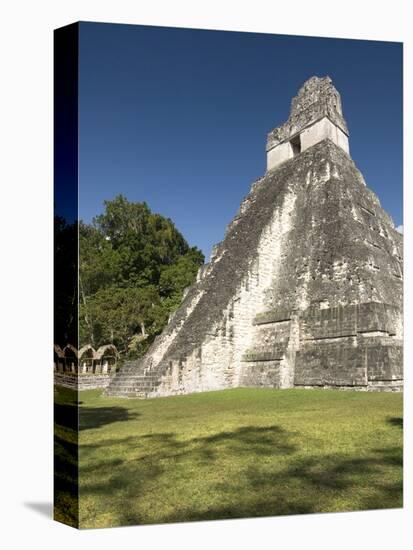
(237, 453)
(65, 506)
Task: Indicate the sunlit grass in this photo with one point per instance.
(237, 453)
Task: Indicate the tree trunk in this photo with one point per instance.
(88, 321)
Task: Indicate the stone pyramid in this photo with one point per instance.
(306, 288)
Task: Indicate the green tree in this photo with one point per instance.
(133, 268)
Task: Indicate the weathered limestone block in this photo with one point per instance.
(330, 364)
(262, 374)
(323, 129)
(369, 318)
(266, 317)
(384, 361)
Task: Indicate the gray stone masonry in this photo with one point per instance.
(82, 381)
(304, 291)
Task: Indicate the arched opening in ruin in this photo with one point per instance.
(86, 358)
(71, 362)
(58, 359)
(106, 359)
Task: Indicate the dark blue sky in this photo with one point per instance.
(178, 118)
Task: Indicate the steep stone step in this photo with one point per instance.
(134, 378)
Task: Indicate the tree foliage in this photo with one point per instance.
(133, 268)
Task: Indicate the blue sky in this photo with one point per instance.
(178, 118)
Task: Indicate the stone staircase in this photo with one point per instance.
(133, 380)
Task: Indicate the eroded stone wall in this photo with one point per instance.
(83, 381)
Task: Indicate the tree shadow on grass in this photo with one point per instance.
(95, 417)
(269, 441)
(87, 418)
(265, 483)
(135, 478)
(396, 421)
(308, 485)
(338, 472)
(69, 418)
(66, 486)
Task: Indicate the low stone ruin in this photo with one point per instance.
(86, 368)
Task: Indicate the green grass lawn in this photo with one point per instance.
(234, 453)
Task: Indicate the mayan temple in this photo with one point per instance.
(306, 288)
